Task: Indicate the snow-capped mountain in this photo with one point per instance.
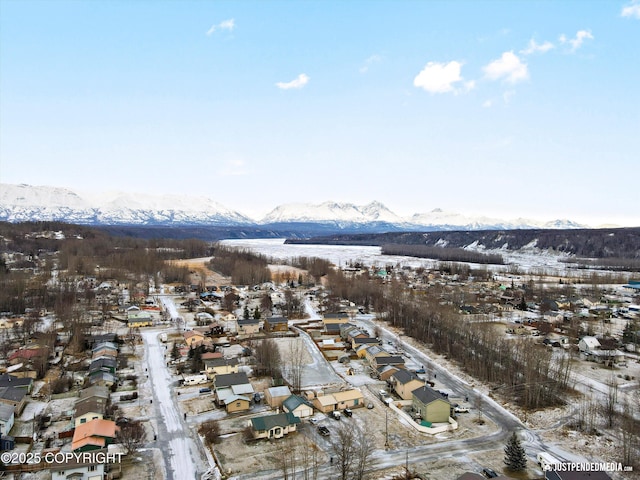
(374, 212)
(19, 203)
(441, 220)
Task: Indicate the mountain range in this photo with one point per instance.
(23, 203)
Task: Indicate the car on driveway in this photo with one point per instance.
(489, 473)
(324, 431)
(347, 412)
(461, 410)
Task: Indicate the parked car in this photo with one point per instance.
(335, 415)
(347, 412)
(205, 391)
(369, 405)
(461, 410)
(324, 431)
(313, 421)
(489, 473)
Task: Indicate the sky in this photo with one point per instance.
(505, 108)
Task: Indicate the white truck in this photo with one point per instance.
(163, 337)
(194, 379)
(545, 460)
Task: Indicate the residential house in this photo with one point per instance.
(274, 396)
(345, 328)
(588, 344)
(89, 409)
(193, 338)
(93, 435)
(276, 324)
(374, 351)
(297, 405)
(78, 470)
(220, 366)
(384, 372)
(137, 318)
(14, 397)
(96, 391)
(104, 379)
(383, 361)
(227, 317)
(237, 403)
(274, 426)
(8, 380)
(7, 417)
(229, 384)
(349, 399)
(211, 355)
(248, 327)
(358, 342)
(26, 355)
(105, 349)
(340, 317)
(338, 401)
(404, 383)
(203, 318)
(103, 365)
(431, 405)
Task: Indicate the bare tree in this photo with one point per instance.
(352, 448)
(267, 355)
(295, 363)
(610, 401)
(364, 450)
(131, 435)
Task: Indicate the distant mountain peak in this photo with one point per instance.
(35, 203)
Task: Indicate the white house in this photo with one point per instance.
(588, 344)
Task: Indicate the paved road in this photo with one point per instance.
(182, 453)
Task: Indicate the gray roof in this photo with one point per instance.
(427, 395)
(220, 362)
(6, 411)
(94, 391)
(279, 391)
(405, 376)
(249, 321)
(91, 404)
(229, 379)
(7, 380)
(274, 320)
(393, 360)
(12, 394)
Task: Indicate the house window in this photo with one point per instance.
(92, 468)
(355, 402)
(238, 404)
(83, 420)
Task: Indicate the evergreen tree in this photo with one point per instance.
(245, 313)
(515, 458)
(256, 314)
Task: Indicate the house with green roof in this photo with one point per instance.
(273, 426)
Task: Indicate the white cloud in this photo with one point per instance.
(506, 96)
(234, 168)
(534, 47)
(487, 103)
(579, 39)
(370, 61)
(631, 10)
(299, 82)
(438, 77)
(507, 67)
(223, 25)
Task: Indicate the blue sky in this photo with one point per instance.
(507, 108)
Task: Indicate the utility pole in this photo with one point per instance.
(386, 429)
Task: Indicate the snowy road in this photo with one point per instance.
(182, 455)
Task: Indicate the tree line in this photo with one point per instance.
(442, 253)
